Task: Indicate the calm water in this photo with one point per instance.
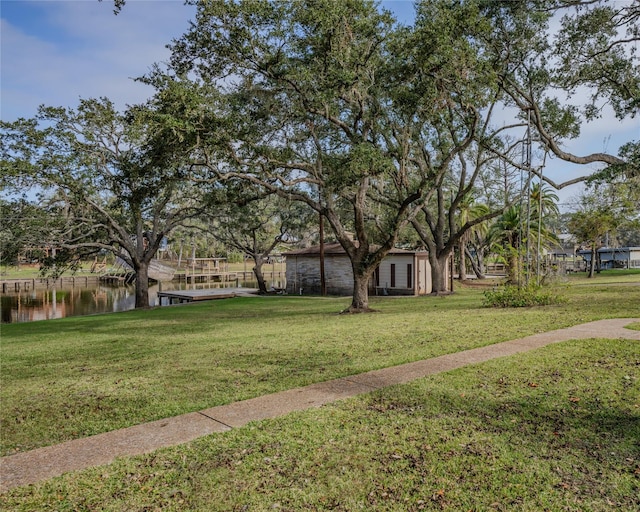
(46, 304)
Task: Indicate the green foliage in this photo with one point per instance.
(332, 104)
(309, 111)
(510, 296)
(519, 226)
(250, 223)
(626, 171)
(596, 49)
(23, 226)
(563, 121)
(63, 261)
(614, 194)
(235, 257)
(596, 217)
(118, 182)
(117, 5)
(592, 225)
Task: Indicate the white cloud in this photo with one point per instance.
(85, 51)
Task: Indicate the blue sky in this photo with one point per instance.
(55, 52)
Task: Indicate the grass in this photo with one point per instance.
(70, 378)
(32, 271)
(554, 429)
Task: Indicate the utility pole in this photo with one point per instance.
(323, 284)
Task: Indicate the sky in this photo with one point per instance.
(54, 52)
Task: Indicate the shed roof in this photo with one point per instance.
(336, 249)
(611, 250)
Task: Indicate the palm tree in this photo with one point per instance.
(469, 210)
(544, 202)
(507, 234)
(544, 208)
(512, 231)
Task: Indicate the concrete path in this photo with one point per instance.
(43, 463)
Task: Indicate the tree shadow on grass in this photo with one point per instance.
(584, 447)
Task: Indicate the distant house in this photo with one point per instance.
(562, 255)
(401, 272)
(564, 249)
(610, 257)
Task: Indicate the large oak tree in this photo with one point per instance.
(307, 86)
(122, 189)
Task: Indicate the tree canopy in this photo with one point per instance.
(121, 190)
(374, 125)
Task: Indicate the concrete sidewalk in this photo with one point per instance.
(43, 463)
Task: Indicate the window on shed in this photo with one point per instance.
(393, 275)
(409, 275)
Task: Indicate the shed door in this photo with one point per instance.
(424, 276)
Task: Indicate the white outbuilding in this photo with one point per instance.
(402, 272)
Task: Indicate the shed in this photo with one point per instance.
(615, 257)
(402, 272)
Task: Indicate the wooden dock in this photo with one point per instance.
(182, 296)
(118, 277)
(122, 273)
(206, 277)
(25, 285)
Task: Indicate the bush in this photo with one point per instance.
(519, 297)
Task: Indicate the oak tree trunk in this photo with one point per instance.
(592, 263)
(257, 271)
(142, 285)
(360, 299)
(439, 273)
(476, 266)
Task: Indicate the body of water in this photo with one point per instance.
(49, 303)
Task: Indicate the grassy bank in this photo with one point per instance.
(555, 429)
(74, 377)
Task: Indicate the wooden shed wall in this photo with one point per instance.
(303, 273)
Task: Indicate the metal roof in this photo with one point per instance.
(336, 249)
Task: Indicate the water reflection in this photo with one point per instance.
(46, 304)
(49, 303)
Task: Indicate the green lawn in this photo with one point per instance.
(554, 429)
(69, 378)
